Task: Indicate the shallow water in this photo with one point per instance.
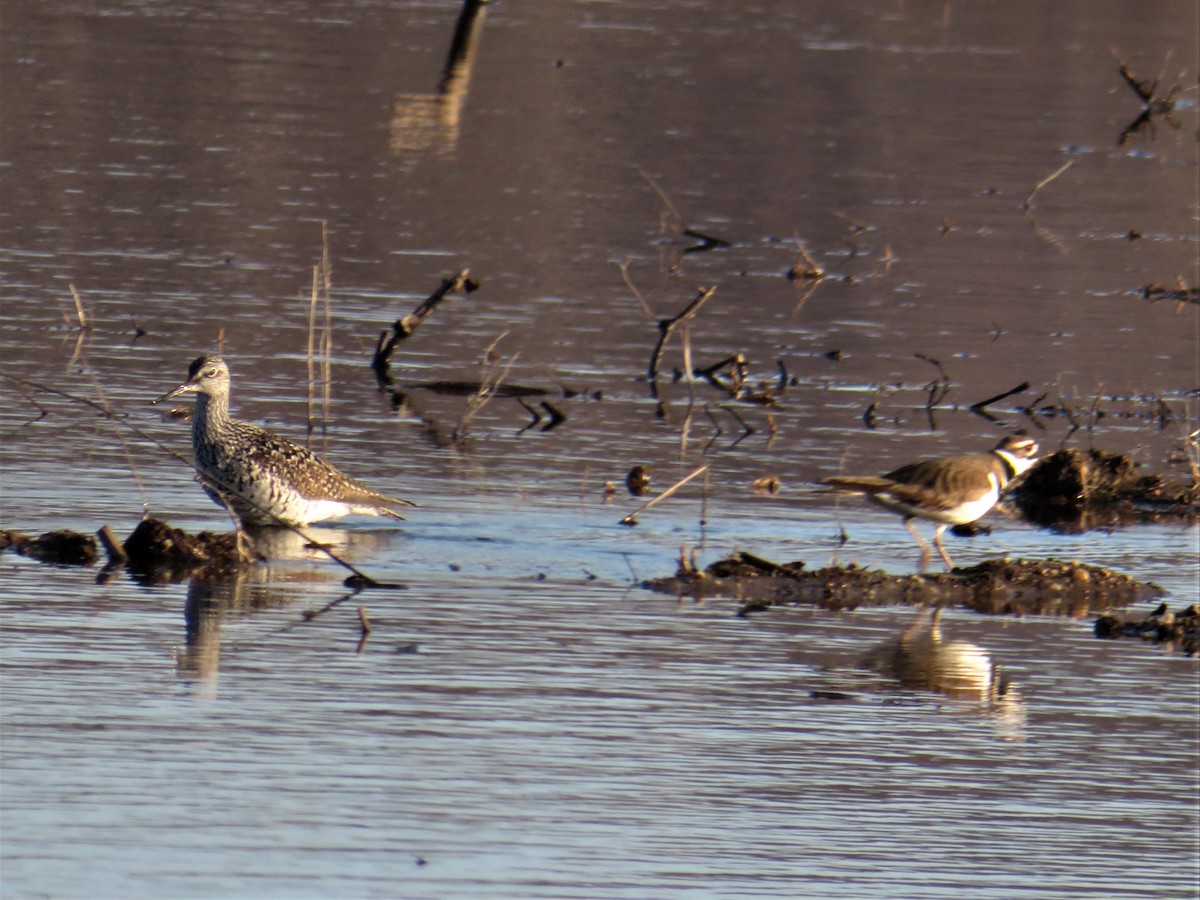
(524, 720)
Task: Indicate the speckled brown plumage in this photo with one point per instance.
(266, 479)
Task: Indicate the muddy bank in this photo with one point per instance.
(995, 587)
(1072, 491)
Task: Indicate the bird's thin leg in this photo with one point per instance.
(937, 539)
(245, 543)
(921, 542)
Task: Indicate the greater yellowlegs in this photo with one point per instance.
(953, 490)
(265, 479)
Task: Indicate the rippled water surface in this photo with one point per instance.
(524, 719)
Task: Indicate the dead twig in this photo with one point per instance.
(738, 373)
(1030, 411)
(1144, 89)
(309, 614)
(1028, 204)
(83, 328)
(320, 346)
(534, 415)
(856, 227)
(403, 328)
(557, 416)
(671, 225)
(488, 386)
(804, 288)
(81, 355)
(717, 429)
(312, 327)
(28, 397)
(665, 329)
(365, 629)
(782, 382)
(326, 347)
(687, 562)
(747, 429)
(870, 415)
(631, 519)
(1181, 295)
(662, 195)
(980, 408)
(707, 241)
(689, 376)
(1155, 103)
(888, 258)
(810, 270)
(624, 267)
(85, 321)
(937, 389)
(117, 556)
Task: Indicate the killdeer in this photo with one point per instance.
(953, 490)
(263, 478)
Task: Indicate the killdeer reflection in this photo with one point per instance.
(953, 490)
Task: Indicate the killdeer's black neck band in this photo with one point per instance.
(1010, 471)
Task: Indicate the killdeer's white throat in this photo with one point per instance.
(953, 490)
(266, 479)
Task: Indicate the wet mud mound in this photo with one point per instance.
(1174, 629)
(995, 587)
(1076, 490)
(157, 552)
(64, 548)
(154, 552)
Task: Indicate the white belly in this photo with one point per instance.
(965, 512)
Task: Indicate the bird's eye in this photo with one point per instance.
(210, 373)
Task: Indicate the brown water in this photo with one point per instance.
(524, 720)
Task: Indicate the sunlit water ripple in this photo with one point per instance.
(525, 719)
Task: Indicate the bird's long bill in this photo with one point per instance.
(186, 388)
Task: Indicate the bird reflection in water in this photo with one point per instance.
(211, 600)
(920, 659)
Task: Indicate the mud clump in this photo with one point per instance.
(1048, 587)
(1175, 629)
(63, 548)
(1075, 490)
(158, 552)
(994, 587)
(154, 552)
